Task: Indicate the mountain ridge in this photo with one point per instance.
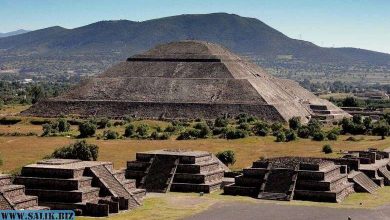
(240, 34)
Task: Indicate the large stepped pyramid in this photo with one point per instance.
(176, 170)
(289, 178)
(188, 79)
(87, 187)
(13, 197)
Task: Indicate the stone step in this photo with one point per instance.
(233, 189)
(5, 180)
(274, 196)
(24, 202)
(198, 178)
(198, 168)
(363, 183)
(243, 180)
(324, 196)
(54, 183)
(189, 187)
(73, 196)
(10, 191)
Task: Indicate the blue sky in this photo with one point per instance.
(357, 23)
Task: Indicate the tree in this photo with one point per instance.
(129, 130)
(303, 132)
(235, 134)
(280, 137)
(327, 149)
(87, 129)
(63, 125)
(261, 128)
(381, 128)
(319, 136)
(294, 123)
(110, 135)
(221, 122)
(314, 126)
(36, 93)
(80, 150)
(142, 130)
(350, 102)
(227, 157)
(276, 128)
(103, 123)
(290, 135)
(204, 130)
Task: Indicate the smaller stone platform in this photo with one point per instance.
(88, 187)
(288, 178)
(176, 170)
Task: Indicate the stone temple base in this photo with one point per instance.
(176, 170)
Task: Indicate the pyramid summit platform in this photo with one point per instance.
(187, 80)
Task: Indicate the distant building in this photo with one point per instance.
(373, 95)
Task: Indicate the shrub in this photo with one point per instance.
(227, 157)
(303, 132)
(294, 123)
(159, 136)
(314, 126)
(280, 137)
(119, 123)
(350, 102)
(235, 134)
(204, 130)
(244, 126)
(381, 128)
(190, 133)
(170, 129)
(129, 130)
(142, 130)
(159, 129)
(63, 125)
(276, 128)
(319, 136)
(87, 129)
(221, 122)
(9, 121)
(40, 121)
(290, 135)
(110, 135)
(47, 129)
(261, 129)
(332, 136)
(219, 130)
(80, 150)
(327, 149)
(103, 123)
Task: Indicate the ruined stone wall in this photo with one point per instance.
(118, 109)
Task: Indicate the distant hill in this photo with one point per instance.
(13, 33)
(243, 35)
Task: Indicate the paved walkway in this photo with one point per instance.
(249, 211)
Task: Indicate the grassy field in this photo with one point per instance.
(179, 205)
(19, 151)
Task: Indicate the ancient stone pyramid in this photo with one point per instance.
(188, 79)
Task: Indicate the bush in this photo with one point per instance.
(129, 130)
(159, 136)
(303, 132)
(219, 130)
(244, 126)
(204, 130)
(332, 136)
(110, 135)
(80, 150)
(314, 126)
(290, 135)
(170, 129)
(221, 122)
(119, 123)
(318, 136)
(381, 128)
(294, 123)
(103, 123)
(235, 134)
(280, 137)
(327, 149)
(63, 125)
(261, 128)
(245, 118)
(40, 121)
(87, 129)
(188, 134)
(276, 128)
(227, 157)
(142, 130)
(9, 121)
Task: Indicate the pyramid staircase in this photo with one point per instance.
(325, 113)
(279, 184)
(13, 197)
(111, 186)
(159, 174)
(362, 183)
(385, 173)
(176, 170)
(88, 187)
